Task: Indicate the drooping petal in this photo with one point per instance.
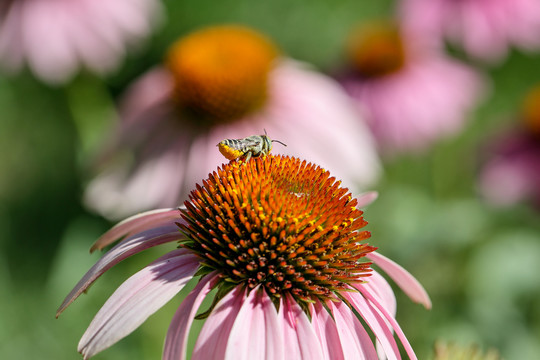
(214, 336)
(177, 335)
(254, 335)
(136, 224)
(367, 198)
(380, 327)
(381, 289)
(390, 319)
(138, 298)
(274, 339)
(326, 330)
(300, 339)
(403, 279)
(355, 340)
(123, 250)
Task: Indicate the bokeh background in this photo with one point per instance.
(480, 264)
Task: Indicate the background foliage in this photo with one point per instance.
(480, 265)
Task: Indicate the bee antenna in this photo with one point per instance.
(279, 142)
(265, 132)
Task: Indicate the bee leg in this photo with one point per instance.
(248, 156)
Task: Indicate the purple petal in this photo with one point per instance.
(121, 251)
(403, 279)
(380, 288)
(367, 198)
(300, 339)
(136, 224)
(390, 319)
(138, 298)
(379, 326)
(326, 330)
(254, 335)
(177, 335)
(355, 340)
(274, 339)
(214, 336)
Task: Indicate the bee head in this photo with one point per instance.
(267, 143)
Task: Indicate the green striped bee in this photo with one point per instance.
(255, 145)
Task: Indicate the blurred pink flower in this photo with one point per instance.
(485, 28)
(220, 83)
(282, 243)
(55, 37)
(411, 95)
(511, 173)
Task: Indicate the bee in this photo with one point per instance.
(255, 145)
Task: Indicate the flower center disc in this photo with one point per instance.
(222, 72)
(279, 222)
(376, 49)
(531, 110)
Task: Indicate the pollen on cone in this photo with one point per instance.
(281, 223)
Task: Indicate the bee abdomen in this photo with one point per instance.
(236, 144)
(231, 148)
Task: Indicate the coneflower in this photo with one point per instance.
(284, 245)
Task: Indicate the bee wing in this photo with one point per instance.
(250, 141)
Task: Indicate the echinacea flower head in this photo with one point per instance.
(217, 83)
(221, 73)
(377, 49)
(484, 28)
(511, 173)
(284, 245)
(412, 95)
(55, 38)
(531, 111)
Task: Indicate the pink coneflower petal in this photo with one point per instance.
(511, 172)
(49, 55)
(138, 298)
(378, 324)
(177, 335)
(326, 330)
(137, 223)
(132, 245)
(382, 290)
(11, 53)
(485, 29)
(403, 279)
(126, 18)
(150, 93)
(257, 317)
(390, 319)
(99, 48)
(213, 339)
(300, 339)
(56, 37)
(367, 198)
(354, 339)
